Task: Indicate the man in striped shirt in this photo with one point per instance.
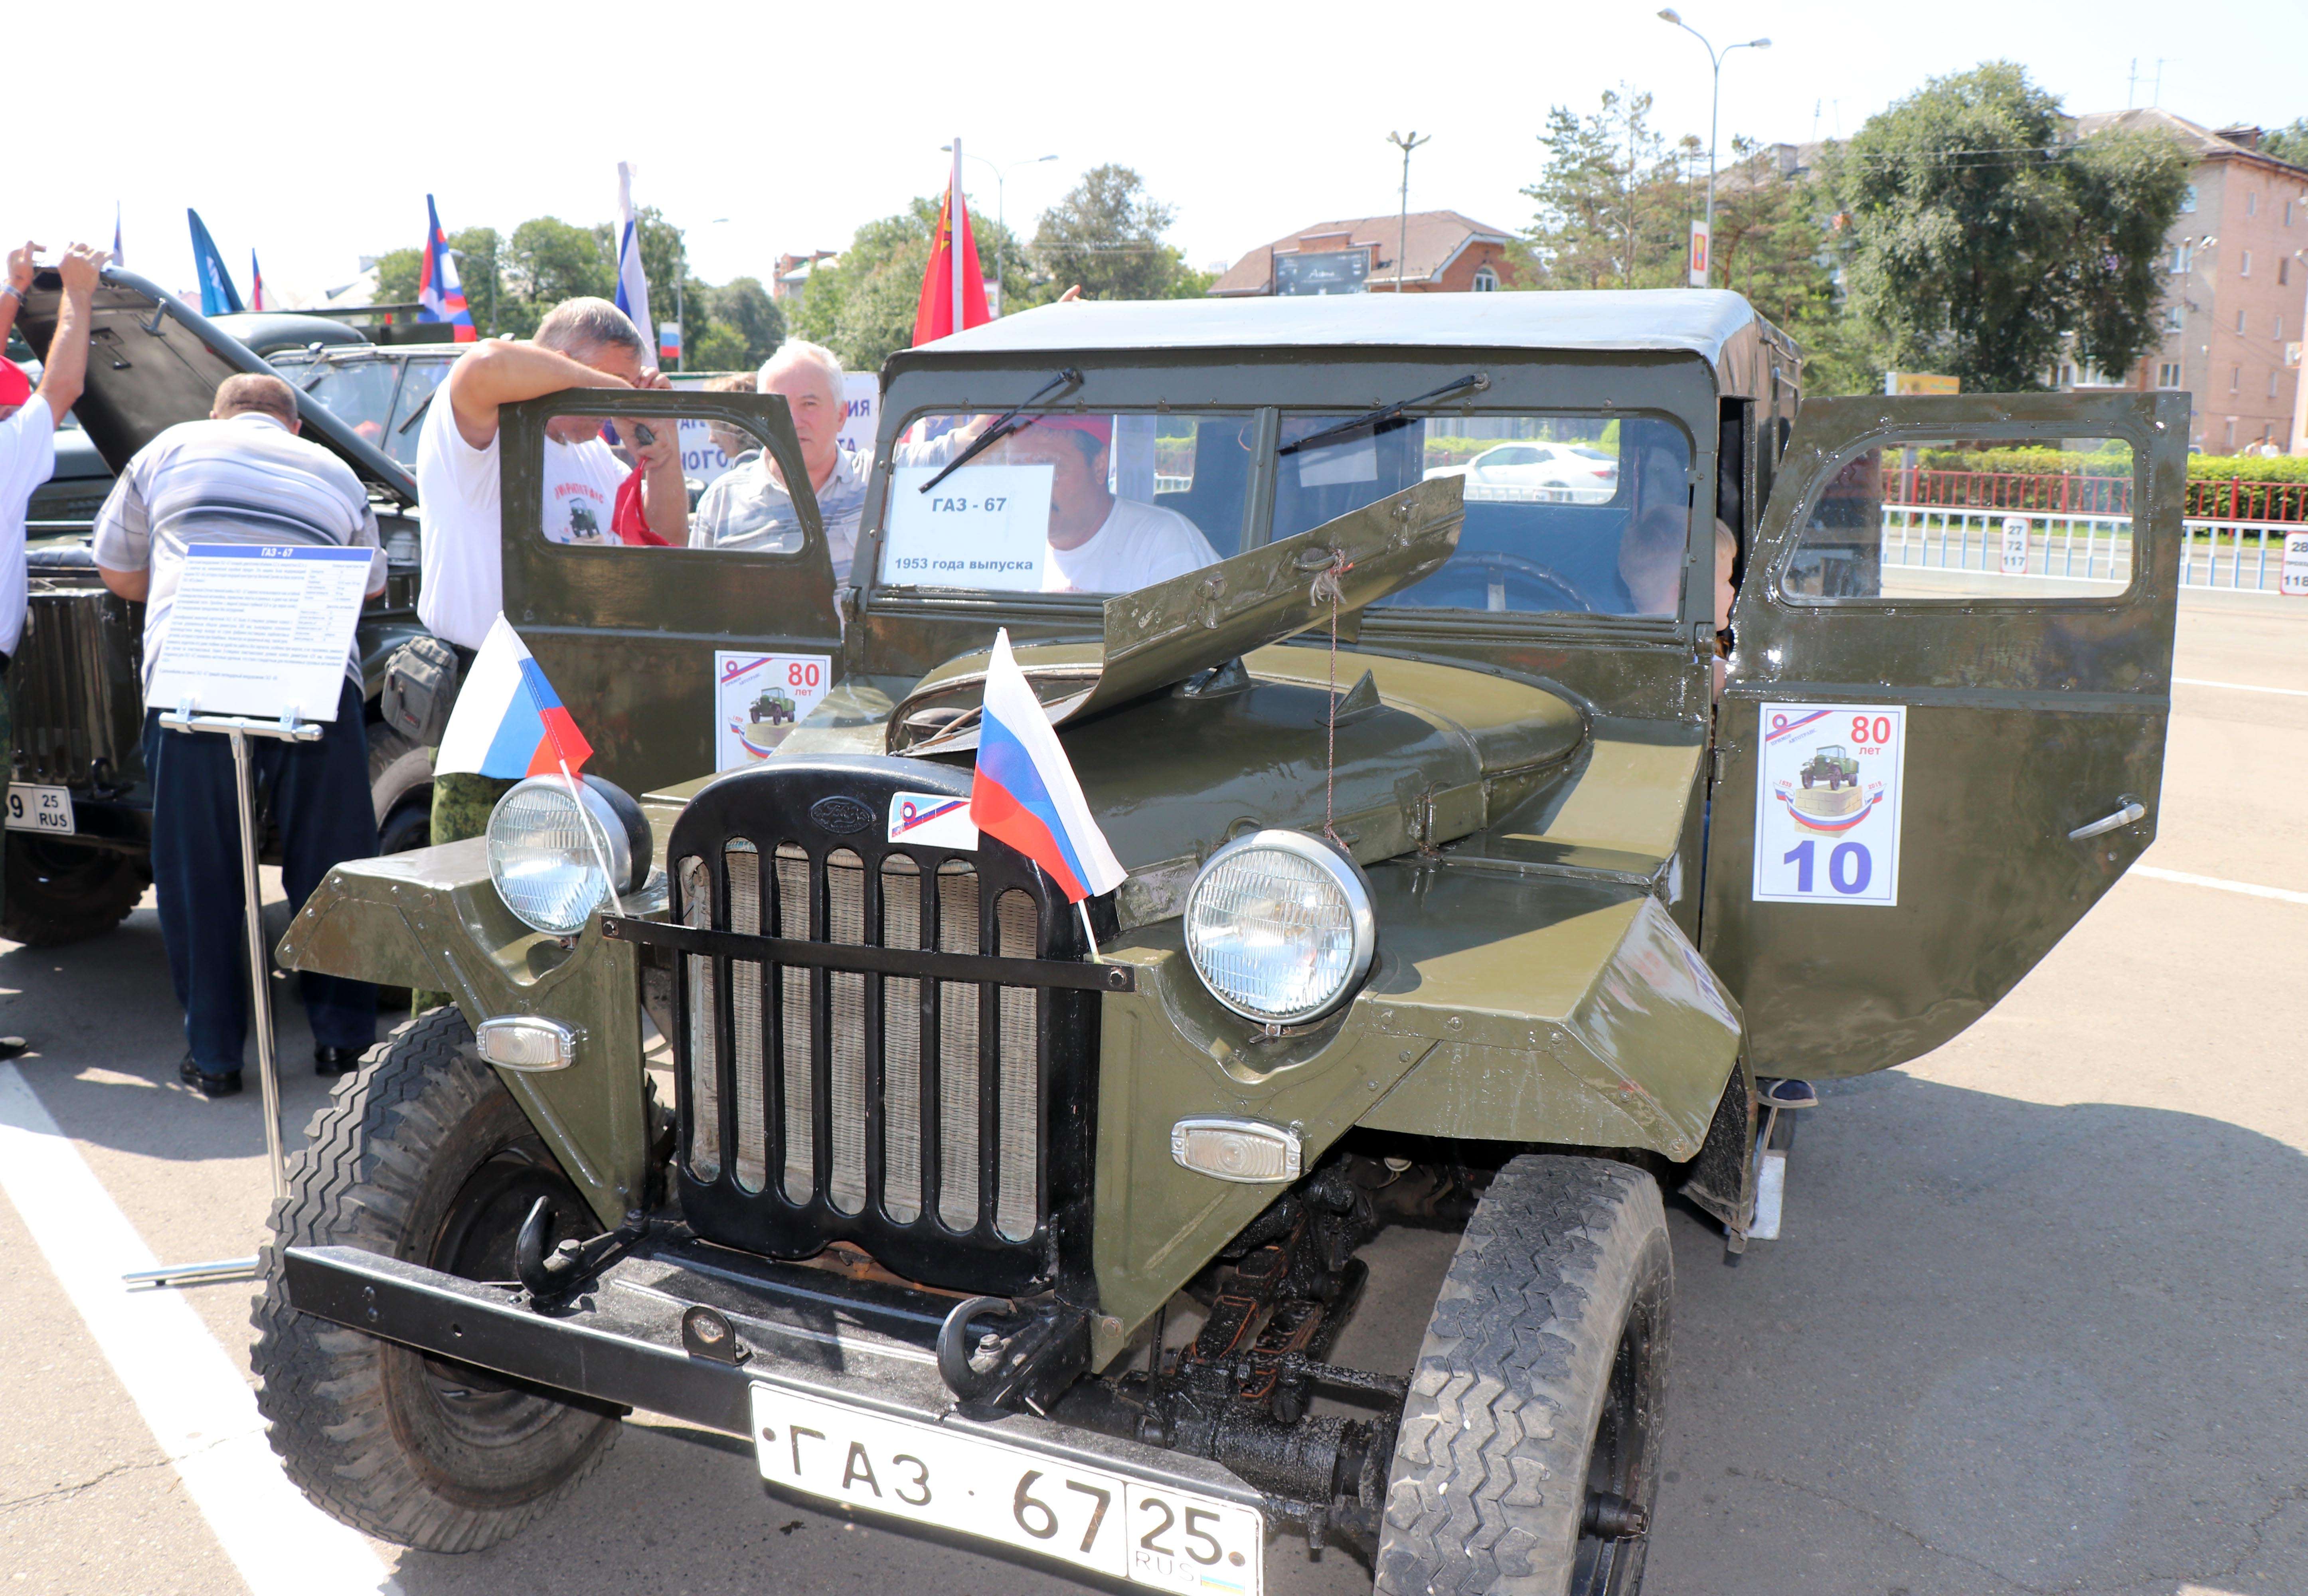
(243, 476)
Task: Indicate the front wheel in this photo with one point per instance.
(1527, 1460)
(60, 892)
(423, 1155)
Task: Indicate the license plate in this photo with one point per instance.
(40, 809)
(1124, 1527)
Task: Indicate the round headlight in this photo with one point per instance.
(546, 867)
(1279, 928)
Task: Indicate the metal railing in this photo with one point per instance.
(2227, 555)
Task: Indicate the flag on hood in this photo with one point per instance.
(440, 296)
(1025, 792)
(953, 288)
(218, 295)
(509, 723)
(255, 283)
(633, 282)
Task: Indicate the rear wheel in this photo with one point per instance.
(423, 1156)
(66, 892)
(1528, 1457)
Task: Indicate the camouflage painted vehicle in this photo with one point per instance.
(1452, 899)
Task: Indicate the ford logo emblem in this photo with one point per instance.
(841, 816)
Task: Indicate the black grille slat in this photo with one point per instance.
(930, 1026)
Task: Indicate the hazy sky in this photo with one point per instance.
(316, 140)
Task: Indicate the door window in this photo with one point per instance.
(1936, 521)
(1065, 502)
(1564, 514)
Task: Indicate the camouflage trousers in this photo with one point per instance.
(462, 803)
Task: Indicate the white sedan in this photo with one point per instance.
(1540, 470)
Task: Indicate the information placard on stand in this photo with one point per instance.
(256, 644)
(261, 630)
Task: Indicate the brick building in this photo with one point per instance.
(2235, 267)
(1444, 252)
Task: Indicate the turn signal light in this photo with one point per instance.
(1243, 1150)
(525, 1042)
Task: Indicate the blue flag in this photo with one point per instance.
(216, 293)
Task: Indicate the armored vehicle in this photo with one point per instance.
(79, 806)
(790, 1102)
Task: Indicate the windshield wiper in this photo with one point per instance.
(415, 414)
(1001, 429)
(1472, 383)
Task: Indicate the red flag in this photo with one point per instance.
(934, 312)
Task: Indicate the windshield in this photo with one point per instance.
(1067, 502)
(1581, 512)
(372, 395)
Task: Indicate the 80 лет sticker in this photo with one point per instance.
(1827, 803)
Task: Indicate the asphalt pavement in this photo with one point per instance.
(2038, 1321)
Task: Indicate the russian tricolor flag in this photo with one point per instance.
(440, 295)
(509, 723)
(1025, 792)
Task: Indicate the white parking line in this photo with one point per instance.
(2195, 681)
(2249, 889)
(197, 1405)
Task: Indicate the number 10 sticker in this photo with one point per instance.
(1827, 803)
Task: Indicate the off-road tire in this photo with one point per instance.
(401, 788)
(66, 892)
(416, 1451)
(1542, 1378)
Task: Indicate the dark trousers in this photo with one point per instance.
(319, 799)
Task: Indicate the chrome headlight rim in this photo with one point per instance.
(1353, 888)
(609, 828)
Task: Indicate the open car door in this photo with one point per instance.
(681, 658)
(1941, 737)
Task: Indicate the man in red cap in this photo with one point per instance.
(27, 449)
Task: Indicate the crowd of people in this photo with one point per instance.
(245, 475)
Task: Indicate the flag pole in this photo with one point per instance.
(1095, 956)
(953, 228)
(592, 835)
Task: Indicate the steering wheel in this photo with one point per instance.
(1495, 565)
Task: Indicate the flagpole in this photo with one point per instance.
(1095, 956)
(953, 228)
(592, 835)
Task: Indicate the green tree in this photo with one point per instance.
(741, 313)
(1107, 235)
(862, 306)
(2289, 142)
(1615, 201)
(1981, 239)
(549, 260)
(397, 274)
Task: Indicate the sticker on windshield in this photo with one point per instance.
(931, 820)
(758, 699)
(986, 526)
(1827, 803)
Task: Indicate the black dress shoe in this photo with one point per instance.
(13, 1047)
(335, 1061)
(227, 1084)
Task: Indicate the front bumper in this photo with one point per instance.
(620, 1342)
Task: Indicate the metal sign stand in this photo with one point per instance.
(289, 728)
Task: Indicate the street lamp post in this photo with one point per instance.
(1714, 114)
(1405, 142)
(1001, 217)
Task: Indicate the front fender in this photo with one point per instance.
(1508, 1005)
(431, 920)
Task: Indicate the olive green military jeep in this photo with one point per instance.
(786, 1102)
(1832, 765)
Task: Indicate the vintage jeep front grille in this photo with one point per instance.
(943, 1124)
(75, 689)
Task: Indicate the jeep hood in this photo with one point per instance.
(154, 361)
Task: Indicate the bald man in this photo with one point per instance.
(243, 476)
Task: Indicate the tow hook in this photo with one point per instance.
(549, 1278)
